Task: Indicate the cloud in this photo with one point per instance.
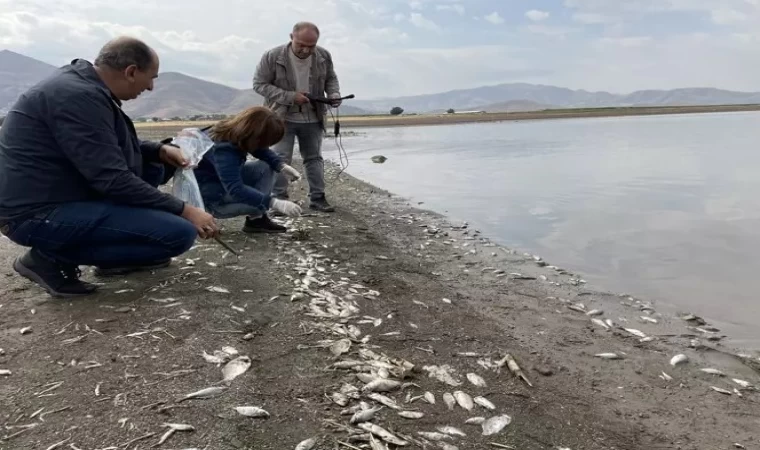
(494, 18)
(457, 8)
(536, 15)
(419, 21)
(415, 5)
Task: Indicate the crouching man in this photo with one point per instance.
(76, 184)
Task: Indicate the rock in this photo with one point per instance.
(379, 159)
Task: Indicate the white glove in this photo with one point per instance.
(290, 172)
(286, 207)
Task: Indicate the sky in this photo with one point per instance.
(392, 48)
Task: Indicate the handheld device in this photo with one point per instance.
(336, 125)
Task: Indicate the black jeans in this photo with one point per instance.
(104, 234)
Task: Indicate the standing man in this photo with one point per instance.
(78, 187)
(283, 76)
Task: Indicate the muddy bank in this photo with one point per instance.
(376, 290)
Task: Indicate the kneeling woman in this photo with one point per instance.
(232, 186)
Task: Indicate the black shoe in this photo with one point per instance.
(124, 270)
(320, 204)
(59, 280)
(262, 224)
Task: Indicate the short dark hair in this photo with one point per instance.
(123, 52)
(301, 25)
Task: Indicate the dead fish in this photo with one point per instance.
(649, 319)
(477, 380)
(25, 330)
(366, 378)
(340, 347)
(601, 323)
(494, 425)
(214, 359)
(429, 397)
(411, 414)
(678, 359)
(464, 400)
(447, 446)
(383, 434)
(647, 339)
(236, 367)
(742, 383)
(721, 391)
(451, 431)
(666, 377)
(475, 421)
(713, 372)
(635, 332)
(608, 356)
(308, 444)
(381, 385)
(365, 415)
(383, 400)
(252, 411)
(579, 307)
(692, 318)
(449, 400)
(442, 374)
(204, 393)
(231, 351)
(339, 399)
(5, 373)
(434, 436)
(217, 289)
(514, 368)
(482, 401)
(595, 312)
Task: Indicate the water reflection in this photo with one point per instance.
(666, 207)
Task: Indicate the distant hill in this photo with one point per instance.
(17, 74)
(179, 95)
(557, 97)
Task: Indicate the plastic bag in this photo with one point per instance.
(194, 144)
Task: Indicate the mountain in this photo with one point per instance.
(17, 74)
(556, 97)
(179, 95)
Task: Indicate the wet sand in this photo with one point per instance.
(401, 286)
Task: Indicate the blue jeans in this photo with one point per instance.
(107, 235)
(257, 175)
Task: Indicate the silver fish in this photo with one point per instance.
(601, 323)
(447, 446)
(339, 398)
(341, 347)
(449, 400)
(608, 356)
(719, 390)
(742, 383)
(476, 380)
(494, 425)
(204, 393)
(713, 372)
(411, 414)
(434, 436)
(383, 400)
(5, 373)
(666, 377)
(482, 401)
(381, 385)
(464, 400)
(475, 421)
(236, 367)
(365, 415)
(649, 319)
(308, 444)
(383, 434)
(678, 359)
(635, 332)
(430, 398)
(252, 411)
(452, 431)
(595, 312)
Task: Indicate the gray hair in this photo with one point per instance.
(123, 52)
(305, 25)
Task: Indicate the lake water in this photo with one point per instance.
(663, 207)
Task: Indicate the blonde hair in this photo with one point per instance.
(251, 129)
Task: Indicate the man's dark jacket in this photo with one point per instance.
(67, 140)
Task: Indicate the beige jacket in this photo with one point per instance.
(275, 79)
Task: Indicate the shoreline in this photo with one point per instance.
(379, 282)
(451, 119)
